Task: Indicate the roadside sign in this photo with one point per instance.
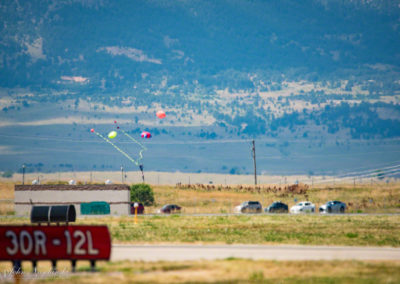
(54, 243)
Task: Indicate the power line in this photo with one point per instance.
(254, 161)
(351, 174)
(372, 174)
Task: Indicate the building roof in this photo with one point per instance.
(72, 187)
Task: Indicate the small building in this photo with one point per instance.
(116, 195)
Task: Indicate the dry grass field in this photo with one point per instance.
(221, 271)
(313, 229)
(378, 198)
(6, 198)
(360, 199)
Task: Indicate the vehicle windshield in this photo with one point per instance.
(165, 206)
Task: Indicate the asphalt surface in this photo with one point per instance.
(284, 252)
(220, 215)
(272, 214)
(249, 214)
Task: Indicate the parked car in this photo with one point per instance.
(277, 207)
(140, 209)
(249, 207)
(170, 208)
(333, 207)
(303, 207)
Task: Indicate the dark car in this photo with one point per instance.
(277, 207)
(140, 209)
(333, 207)
(170, 208)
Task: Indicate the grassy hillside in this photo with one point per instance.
(328, 76)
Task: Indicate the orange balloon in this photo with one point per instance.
(161, 114)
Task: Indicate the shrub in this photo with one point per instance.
(7, 174)
(142, 193)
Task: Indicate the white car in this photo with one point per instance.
(303, 207)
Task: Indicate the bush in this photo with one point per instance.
(7, 174)
(142, 193)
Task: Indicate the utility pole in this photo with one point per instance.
(122, 174)
(254, 160)
(141, 169)
(23, 174)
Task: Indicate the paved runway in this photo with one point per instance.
(284, 252)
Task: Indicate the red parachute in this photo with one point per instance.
(145, 134)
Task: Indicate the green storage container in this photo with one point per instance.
(95, 208)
